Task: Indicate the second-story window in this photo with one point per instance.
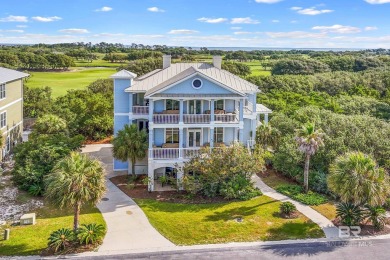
(2, 91)
(218, 105)
(218, 135)
(3, 119)
(172, 135)
(172, 104)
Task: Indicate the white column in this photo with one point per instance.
(254, 103)
(212, 136)
(150, 177)
(151, 137)
(212, 111)
(130, 108)
(181, 142)
(181, 111)
(266, 119)
(151, 129)
(179, 178)
(242, 110)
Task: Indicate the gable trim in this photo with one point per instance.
(195, 74)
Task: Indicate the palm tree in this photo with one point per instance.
(267, 136)
(130, 144)
(76, 180)
(357, 179)
(309, 141)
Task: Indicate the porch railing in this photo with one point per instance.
(173, 153)
(166, 118)
(140, 110)
(226, 118)
(196, 119)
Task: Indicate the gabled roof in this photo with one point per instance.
(160, 79)
(124, 74)
(7, 75)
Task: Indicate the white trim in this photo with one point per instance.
(122, 114)
(12, 103)
(188, 106)
(12, 128)
(6, 124)
(188, 137)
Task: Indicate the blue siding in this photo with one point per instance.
(185, 87)
(229, 105)
(159, 106)
(159, 136)
(247, 130)
(121, 98)
(205, 135)
(229, 135)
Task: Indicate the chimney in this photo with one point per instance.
(217, 62)
(166, 61)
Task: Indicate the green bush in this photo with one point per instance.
(296, 192)
(90, 233)
(349, 214)
(387, 204)
(377, 216)
(287, 208)
(61, 239)
(238, 187)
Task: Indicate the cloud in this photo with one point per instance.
(242, 33)
(21, 26)
(337, 28)
(14, 18)
(296, 35)
(182, 31)
(12, 31)
(377, 2)
(212, 20)
(155, 9)
(244, 20)
(104, 9)
(370, 28)
(268, 1)
(74, 31)
(275, 21)
(46, 19)
(236, 28)
(311, 10)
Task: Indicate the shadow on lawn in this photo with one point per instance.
(292, 230)
(11, 250)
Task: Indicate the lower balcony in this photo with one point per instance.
(194, 118)
(173, 153)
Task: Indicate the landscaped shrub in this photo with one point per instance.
(387, 204)
(225, 171)
(287, 208)
(61, 239)
(90, 233)
(296, 192)
(377, 216)
(349, 214)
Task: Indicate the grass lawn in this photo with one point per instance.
(99, 63)
(76, 78)
(31, 240)
(327, 209)
(257, 69)
(189, 224)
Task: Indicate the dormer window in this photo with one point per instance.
(197, 83)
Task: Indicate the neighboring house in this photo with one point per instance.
(185, 106)
(11, 108)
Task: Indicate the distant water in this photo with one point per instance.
(275, 49)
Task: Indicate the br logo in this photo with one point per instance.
(346, 231)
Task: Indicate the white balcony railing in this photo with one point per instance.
(251, 143)
(173, 153)
(166, 118)
(226, 118)
(140, 110)
(196, 119)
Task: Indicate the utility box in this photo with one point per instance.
(27, 219)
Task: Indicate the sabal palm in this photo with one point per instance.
(309, 141)
(76, 180)
(130, 144)
(266, 136)
(357, 179)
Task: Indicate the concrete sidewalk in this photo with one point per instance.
(127, 226)
(330, 230)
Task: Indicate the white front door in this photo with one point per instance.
(194, 137)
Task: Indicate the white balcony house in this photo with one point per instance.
(184, 107)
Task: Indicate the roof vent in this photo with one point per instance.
(217, 62)
(166, 61)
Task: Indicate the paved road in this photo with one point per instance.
(357, 249)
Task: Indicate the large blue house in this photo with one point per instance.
(183, 107)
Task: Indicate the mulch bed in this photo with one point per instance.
(270, 171)
(367, 229)
(73, 249)
(106, 140)
(290, 216)
(140, 191)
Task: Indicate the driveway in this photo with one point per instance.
(127, 226)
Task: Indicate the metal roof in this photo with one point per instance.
(260, 108)
(160, 79)
(124, 74)
(7, 75)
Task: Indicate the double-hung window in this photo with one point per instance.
(218, 105)
(172, 135)
(218, 135)
(172, 104)
(3, 119)
(2, 91)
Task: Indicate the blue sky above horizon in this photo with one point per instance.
(218, 23)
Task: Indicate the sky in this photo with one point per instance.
(200, 23)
